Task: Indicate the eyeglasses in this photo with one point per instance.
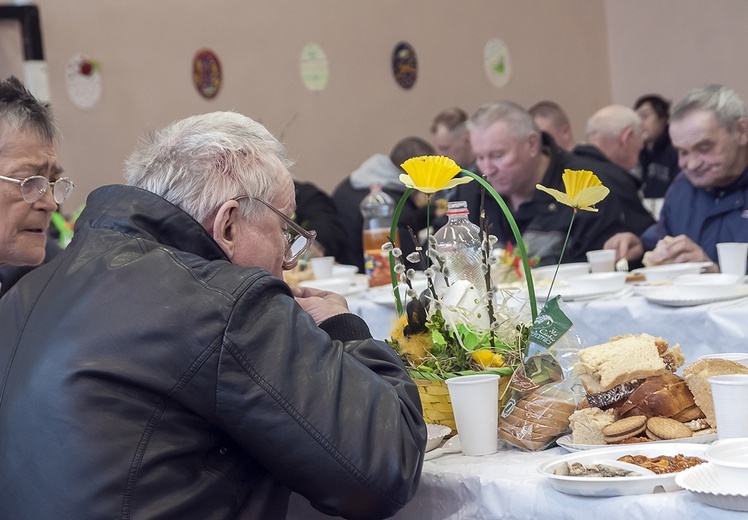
(32, 188)
(298, 244)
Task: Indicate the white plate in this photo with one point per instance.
(569, 293)
(701, 481)
(565, 442)
(343, 286)
(670, 271)
(343, 271)
(688, 295)
(616, 486)
(435, 432)
(384, 295)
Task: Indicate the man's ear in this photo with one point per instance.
(226, 227)
(626, 136)
(741, 128)
(533, 141)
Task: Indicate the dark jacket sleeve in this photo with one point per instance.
(337, 422)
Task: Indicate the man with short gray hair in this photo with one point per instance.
(159, 367)
(708, 202)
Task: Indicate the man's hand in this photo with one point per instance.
(320, 305)
(681, 249)
(627, 245)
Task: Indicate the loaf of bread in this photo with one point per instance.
(621, 360)
(587, 425)
(536, 419)
(697, 376)
(659, 396)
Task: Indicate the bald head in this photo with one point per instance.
(616, 131)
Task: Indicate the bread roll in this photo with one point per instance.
(659, 396)
(697, 376)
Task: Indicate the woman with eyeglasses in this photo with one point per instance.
(31, 181)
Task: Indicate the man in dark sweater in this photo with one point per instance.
(514, 156)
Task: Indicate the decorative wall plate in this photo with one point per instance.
(206, 73)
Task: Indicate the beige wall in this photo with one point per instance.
(145, 48)
(672, 46)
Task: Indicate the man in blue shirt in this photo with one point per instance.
(708, 201)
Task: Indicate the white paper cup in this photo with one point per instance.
(602, 260)
(322, 266)
(730, 396)
(732, 257)
(475, 403)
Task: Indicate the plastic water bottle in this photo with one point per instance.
(377, 209)
(458, 241)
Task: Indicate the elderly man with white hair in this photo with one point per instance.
(708, 202)
(160, 368)
(614, 138)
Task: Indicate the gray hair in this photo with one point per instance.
(21, 111)
(200, 162)
(518, 120)
(611, 120)
(724, 102)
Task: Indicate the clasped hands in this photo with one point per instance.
(677, 249)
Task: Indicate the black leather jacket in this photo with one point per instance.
(145, 376)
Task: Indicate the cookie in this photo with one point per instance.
(624, 428)
(663, 429)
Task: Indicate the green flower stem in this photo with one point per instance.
(563, 250)
(517, 237)
(393, 234)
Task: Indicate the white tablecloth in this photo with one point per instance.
(701, 329)
(507, 486)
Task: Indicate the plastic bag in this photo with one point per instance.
(544, 390)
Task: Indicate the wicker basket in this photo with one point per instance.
(437, 406)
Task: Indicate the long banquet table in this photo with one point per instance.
(506, 485)
(700, 329)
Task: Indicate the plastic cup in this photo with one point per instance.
(475, 403)
(732, 257)
(322, 266)
(602, 260)
(730, 396)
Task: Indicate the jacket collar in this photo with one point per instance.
(143, 214)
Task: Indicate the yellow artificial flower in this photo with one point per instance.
(431, 173)
(583, 189)
(487, 359)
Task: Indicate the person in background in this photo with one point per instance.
(160, 368)
(385, 171)
(550, 118)
(658, 159)
(316, 210)
(451, 137)
(514, 156)
(708, 202)
(613, 137)
(31, 182)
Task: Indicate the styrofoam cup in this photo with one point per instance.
(732, 257)
(602, 260)
(322, 266)
(730, 396)
(475, 403)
